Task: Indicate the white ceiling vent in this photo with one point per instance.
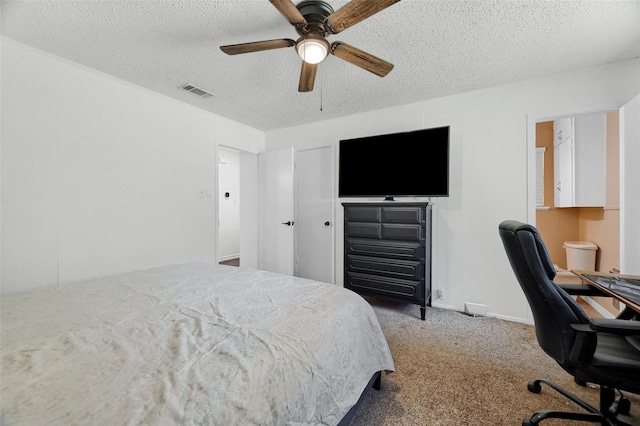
(196, 91)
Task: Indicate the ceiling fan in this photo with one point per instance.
(314, 20)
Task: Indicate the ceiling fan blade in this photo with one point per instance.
(361, 58)
(289, 11)
(354, 12)
(256, 46)
(307, 77)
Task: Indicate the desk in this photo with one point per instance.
(625, 288)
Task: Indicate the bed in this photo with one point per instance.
(188, 344)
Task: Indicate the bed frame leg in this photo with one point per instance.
(377, 383)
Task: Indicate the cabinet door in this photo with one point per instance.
(589, 158)
(562, 130)
(563, 174)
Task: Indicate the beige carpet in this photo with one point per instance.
(453, 369)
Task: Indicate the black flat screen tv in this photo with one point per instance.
(408, 164)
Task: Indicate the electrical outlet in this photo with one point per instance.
(440, 293)
(202, 193)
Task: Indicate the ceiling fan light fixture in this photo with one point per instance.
(312, 49)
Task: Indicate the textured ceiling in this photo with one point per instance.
(438, 47)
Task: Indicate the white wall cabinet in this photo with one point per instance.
(562, 130)
(580, 161)
(563, 174)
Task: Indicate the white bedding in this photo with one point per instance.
(188, 344)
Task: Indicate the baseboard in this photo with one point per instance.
(489, 314)
(445, 306)
(510, 318)
(229, 257)
(595, 305)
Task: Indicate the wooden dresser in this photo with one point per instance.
(387, 251)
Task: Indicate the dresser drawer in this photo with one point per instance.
(405, 269)
(393, 250)
(403, 232)
(375, 284)
(403, 214)
(363, 230)
(363, 214)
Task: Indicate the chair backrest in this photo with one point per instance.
(554, 310)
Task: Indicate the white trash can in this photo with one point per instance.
(581, 255)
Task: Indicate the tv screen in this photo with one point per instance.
(409, 164)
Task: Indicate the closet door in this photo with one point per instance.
(276, 211)
(314, 228)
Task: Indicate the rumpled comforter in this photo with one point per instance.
(188, 344)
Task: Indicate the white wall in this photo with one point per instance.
(101, 176)
(489, 172)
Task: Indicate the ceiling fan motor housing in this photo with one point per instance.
(315, 12)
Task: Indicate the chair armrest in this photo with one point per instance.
(611, 326)
(585, 342)
(582, 290)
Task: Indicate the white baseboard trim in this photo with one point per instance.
(489, 314)
(229, 257)
(595, 305)
(445, 306)
(510, 318)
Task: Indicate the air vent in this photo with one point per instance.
(196, 91)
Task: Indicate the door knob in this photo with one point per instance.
(288, 223)
(327, 223)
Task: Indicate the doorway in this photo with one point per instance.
(598, 221)
(237, 200)
(228, 206)
(561, 213)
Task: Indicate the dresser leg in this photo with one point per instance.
(423, 312)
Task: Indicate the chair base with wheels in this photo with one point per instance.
(605, 415)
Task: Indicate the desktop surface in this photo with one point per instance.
(622, 286)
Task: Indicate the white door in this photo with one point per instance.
(276, 211)
(314, 215)
(630, 187)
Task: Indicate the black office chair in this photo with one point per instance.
(601, 351)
